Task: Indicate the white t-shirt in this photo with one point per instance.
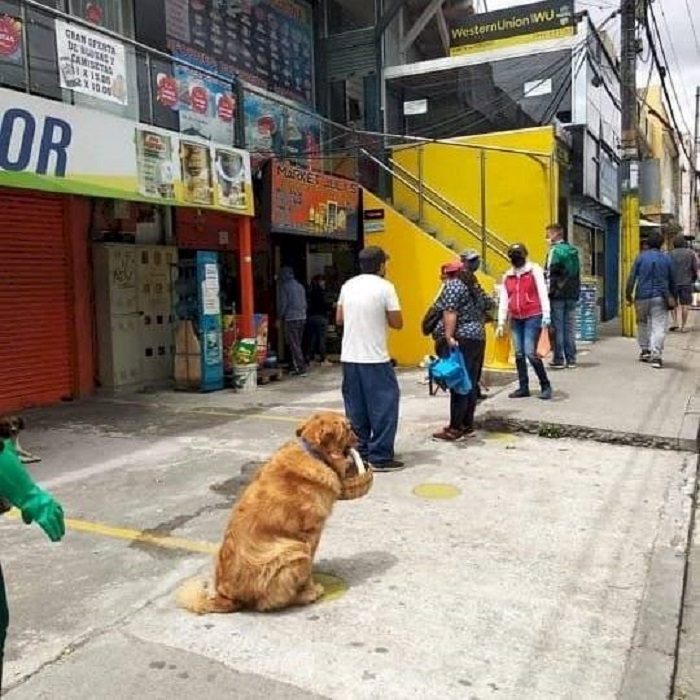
(365, 300)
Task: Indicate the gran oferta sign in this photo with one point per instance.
(512, 26)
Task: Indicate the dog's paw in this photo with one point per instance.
(319, 590)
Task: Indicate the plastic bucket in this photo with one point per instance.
(245, 378)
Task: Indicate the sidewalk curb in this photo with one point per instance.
(687, 441)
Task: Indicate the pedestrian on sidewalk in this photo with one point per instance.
(292, 313)
(463, 304)
(317, 322)
(685, 271)
(367, 304)
(524, 301)
(563, 275)
(17, 488)
(650, 286)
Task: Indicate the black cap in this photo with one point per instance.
(373, 254)
(517, 248)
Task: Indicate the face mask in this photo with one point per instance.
(518, 259)
(474, 265)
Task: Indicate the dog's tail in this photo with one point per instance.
(194, 595)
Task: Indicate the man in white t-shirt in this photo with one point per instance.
(367, 305)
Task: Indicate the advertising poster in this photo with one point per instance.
(11, 40)
(266, 42)
(91, 63)
(264, 127)
(195, 159)
(551, 19)
(156, 171)
(132, 162)
(307, 202)
(206, 106)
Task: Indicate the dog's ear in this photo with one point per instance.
(5, 428)
(20, 423)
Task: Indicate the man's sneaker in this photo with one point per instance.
(546, 393)
(644, 356)
(557, 365)
(519, 394)
(657, 363)
(572, 365)
(395, 465)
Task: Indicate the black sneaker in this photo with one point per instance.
(557, 365)
(657, 363)
(644, 356)
(395, 465)
(519, 394)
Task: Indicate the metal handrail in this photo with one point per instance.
(474, 226)
(435, 205)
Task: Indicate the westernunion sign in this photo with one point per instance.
(551, 19)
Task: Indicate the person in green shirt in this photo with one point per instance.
(17, 488)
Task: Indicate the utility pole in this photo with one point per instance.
(695, 151)
(629, 233)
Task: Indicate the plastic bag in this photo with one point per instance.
(451, 373)
(544, 344)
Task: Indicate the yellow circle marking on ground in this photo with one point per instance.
(501, 437)
(436, 491)
(334, 587)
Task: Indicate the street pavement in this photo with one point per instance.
(516, 565)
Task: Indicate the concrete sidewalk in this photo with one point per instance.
(613, 397)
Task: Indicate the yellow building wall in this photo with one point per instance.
(414, 269)
(521, 190)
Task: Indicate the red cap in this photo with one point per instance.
(454, 266)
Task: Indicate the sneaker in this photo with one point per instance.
(572, 365)
(644, 356)
(657, 363)
(448, 435)
(395, 465)
(546, 393)
(557, 365)
(519, 394)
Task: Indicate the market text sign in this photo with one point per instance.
(513, 26)
(311, 203)
(50, 146)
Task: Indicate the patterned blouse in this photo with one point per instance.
(470, 303)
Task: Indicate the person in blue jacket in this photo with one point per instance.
(650, 286)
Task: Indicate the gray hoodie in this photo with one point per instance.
(292, 299)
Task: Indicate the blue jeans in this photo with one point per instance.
(526, 333)
(371, 394)
(564, 323)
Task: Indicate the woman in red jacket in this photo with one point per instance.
(524, 301)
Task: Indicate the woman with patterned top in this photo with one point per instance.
(464, 305)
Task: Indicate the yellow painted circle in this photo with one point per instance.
(436, 491)
(501, 437)
(334, 587)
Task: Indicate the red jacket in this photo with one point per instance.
(523, 298)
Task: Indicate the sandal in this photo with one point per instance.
(448, 434)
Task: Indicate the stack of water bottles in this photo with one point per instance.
(587, 311)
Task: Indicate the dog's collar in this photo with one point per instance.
(312, 452)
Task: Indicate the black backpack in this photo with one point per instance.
(432, 317)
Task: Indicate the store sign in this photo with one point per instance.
(269, 43)
(51, 146)
(311, 203)
(373, 220)
(91, 63)
(551, 19)
(415, 107)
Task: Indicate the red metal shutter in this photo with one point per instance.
(35, 301)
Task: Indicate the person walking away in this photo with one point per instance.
(317, 321)
(463, 304)
(524, 301)
(367, 305)
(472, 262)
(292, 313)
(563, 276)
(650, 285)
(18, 489)
(685, 272)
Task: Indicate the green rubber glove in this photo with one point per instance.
(36, 504)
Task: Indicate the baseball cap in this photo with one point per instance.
(453, 266)
(470, 254)
(517, 248)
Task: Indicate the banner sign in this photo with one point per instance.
(52, 146)
(11, 40)
(523, 24)
(267, 42)
(91, 63)
(311, 203)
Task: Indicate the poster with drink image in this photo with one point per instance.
(231, 178)
(195, 159)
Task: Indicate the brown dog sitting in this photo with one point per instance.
(265, 561)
